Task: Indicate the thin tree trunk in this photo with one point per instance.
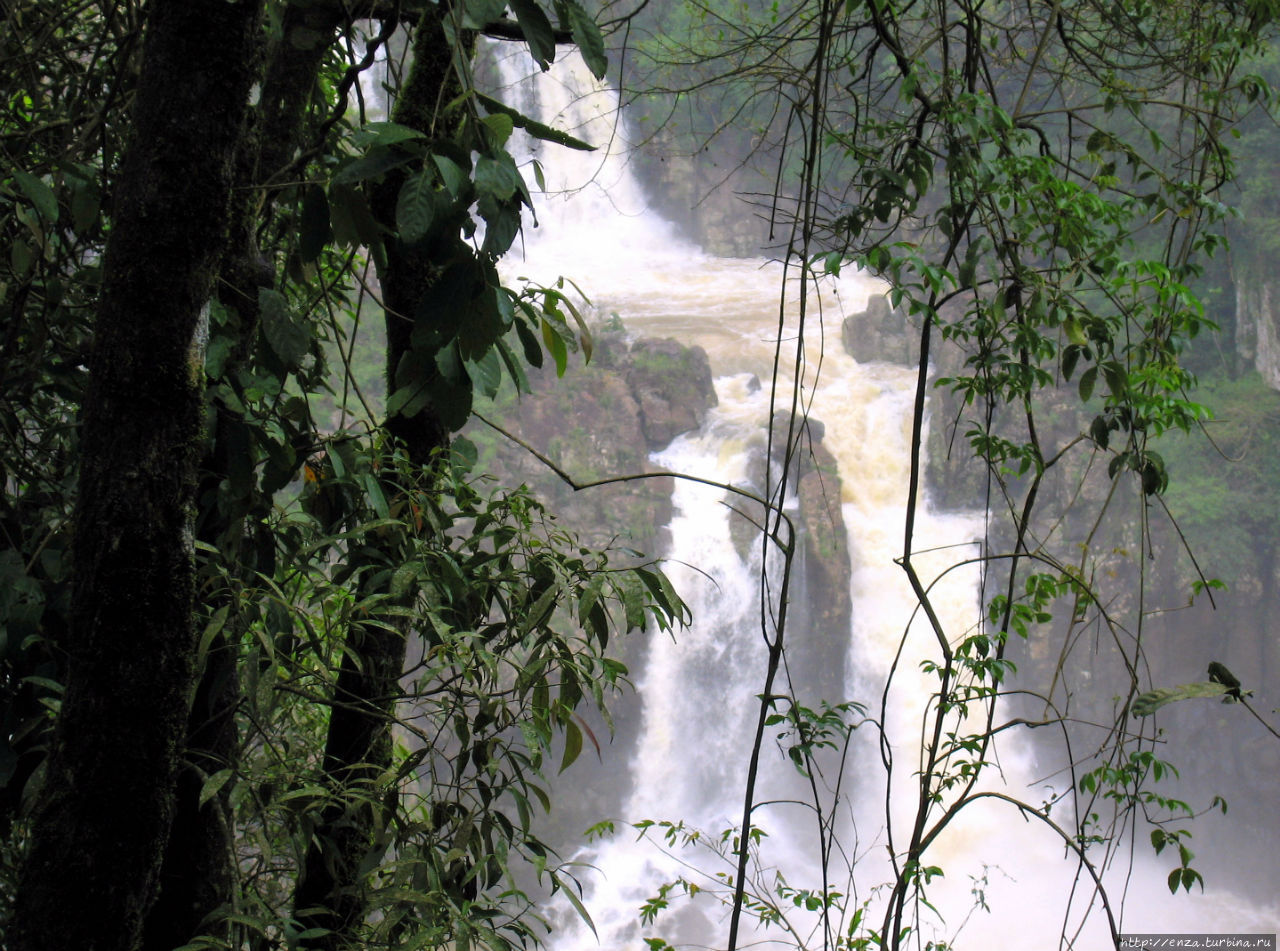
(96, 843)
(358, 746)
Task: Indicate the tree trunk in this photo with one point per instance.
(198, 876)
(358, 746)
(97, 841)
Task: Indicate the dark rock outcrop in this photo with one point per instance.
(881, 333)
(822, 609)
(671, 384)
(601, 420)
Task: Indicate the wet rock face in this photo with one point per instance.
(820, 613)
(671, 384)
(881, 334)
(605, 418)
(602, 420)
(824, 609)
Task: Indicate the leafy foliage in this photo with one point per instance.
(330, 551)
(1040, 187)
(511, 621)
(1222, 495)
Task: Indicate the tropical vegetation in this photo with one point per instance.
(281, 667)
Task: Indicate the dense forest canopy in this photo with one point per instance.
(190, 203)
(284, 670)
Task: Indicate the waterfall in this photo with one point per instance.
(1257, 325)
(699, 691)
(588, 196)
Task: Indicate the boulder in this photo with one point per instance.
(881, 334)
(672, 386)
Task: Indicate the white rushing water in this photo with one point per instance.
(699, 692)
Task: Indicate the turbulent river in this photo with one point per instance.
(699, 692)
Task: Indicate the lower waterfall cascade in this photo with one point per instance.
(698, 691)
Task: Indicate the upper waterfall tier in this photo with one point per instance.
(592, 213)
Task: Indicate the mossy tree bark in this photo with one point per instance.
(198, 875)
(97, 841)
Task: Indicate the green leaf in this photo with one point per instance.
(579, 908)
(46, 682)
(598, 620)
(477, 14)
(352, 221)
(287, 339)
(500, 125)
(1070, 355)
(465, 455)
(572, 745)
(452, 402)
(416, 207)
(1117, 379)
(632, 603)
(211, 630)
(378, 162)
(448, 303)
(409, 399)
(514, 369)
(532, 352)
(21, 257)
(385, 133)
(535, 128)
(1154, 477)
(502, 224)
(498, 176)
(1100, 432)
(537, 31)
(489, 313)
(586, 33)
(449, 363)
(1118, 462)
(212, 785)
(555, 344)
(541, 696)
(403, 578)
(374, 492)
(1087, 380)
(315, 230)
(486, 373)
(654, 582)
(39, 194)
(1148, 703)
(452, 174)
